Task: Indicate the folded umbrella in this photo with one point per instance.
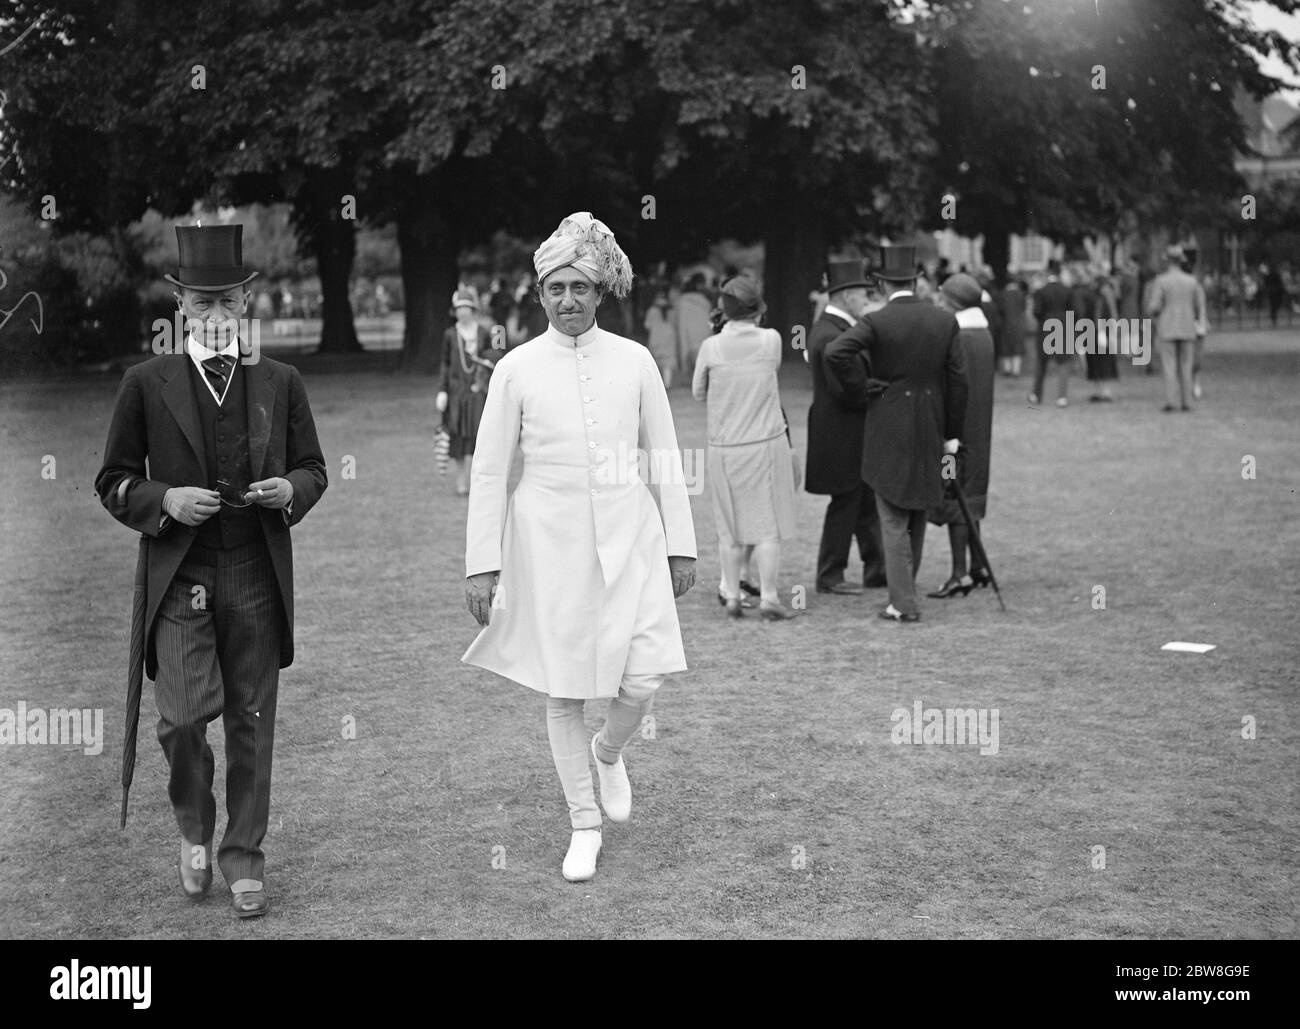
(135, 670)
(976, 544)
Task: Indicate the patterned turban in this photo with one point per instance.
(586, 243)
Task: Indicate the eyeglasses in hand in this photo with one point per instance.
(225, 489)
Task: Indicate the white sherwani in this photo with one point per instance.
(582, 544)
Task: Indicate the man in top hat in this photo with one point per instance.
(1177, 303)
(573, 578)
(835, 428)
(915, 411)
(212, 458)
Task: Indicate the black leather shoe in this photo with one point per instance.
(979, 577)
(250, 905)
(776, 612)
(735, 609)
(195, 882)
(952, 588)
(876, 582)
(898, 616)
(749, 588)
(195, 886)
(845, 588)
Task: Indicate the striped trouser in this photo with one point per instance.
(218, 643)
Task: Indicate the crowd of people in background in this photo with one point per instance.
(705, 332)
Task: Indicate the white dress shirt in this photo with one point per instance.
(200, 353)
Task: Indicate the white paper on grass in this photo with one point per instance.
(1189, 648)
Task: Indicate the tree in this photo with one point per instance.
(1078, 117)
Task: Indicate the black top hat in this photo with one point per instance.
(211, 258)
(897, 264)
(844, 274)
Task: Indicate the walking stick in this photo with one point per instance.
(977, 544)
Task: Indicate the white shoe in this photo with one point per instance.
(580, 862)
(615, 790)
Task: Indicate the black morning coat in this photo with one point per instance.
(156, 418)
(912, 346)
(834, 425)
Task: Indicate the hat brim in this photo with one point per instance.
(897, 276)
(203, 287)
(855, 284)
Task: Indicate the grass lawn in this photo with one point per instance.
(771, 801)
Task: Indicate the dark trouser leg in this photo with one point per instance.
(957, 541)
(975, 561)
(249, 620)
(1040, 372)
(916, 524)
(870, 546)
(903, 535)
(837, 537)
(188, 693)
(1063, 378)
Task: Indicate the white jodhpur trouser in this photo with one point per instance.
(568, 733)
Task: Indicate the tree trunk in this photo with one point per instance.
(334, 248)
(794, 245)
(331, 240)
(430, 274)
(997, 251)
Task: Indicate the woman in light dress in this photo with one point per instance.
(751, 467)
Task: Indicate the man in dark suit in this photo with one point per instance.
(212, 457)
(1051, 304)
(835, 445)
(916, 409)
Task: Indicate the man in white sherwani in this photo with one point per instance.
(574, 576)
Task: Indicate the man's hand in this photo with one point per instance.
(273, 493)
(479, 590)
(950, 446)
(682, 570)
(190, 505)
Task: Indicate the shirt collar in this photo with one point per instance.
(901, 293)
(841, 314)
(573, 342)
(199, 352)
